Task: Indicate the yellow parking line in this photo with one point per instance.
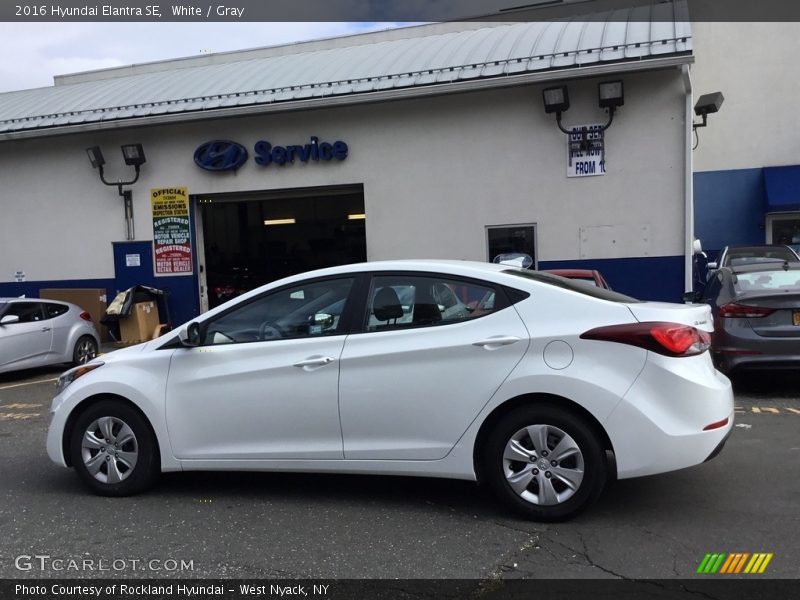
(14, 385)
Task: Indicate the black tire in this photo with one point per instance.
(84, 351)
(146, 466)
(528, 500)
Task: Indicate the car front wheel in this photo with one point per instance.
(544, 462)
(114, 450)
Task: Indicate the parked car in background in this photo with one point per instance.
(590, 276)
(35, 332)
(735, 256)
(756, 312)
(384, 368)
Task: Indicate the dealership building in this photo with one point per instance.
(422, 142)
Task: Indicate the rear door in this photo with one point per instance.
(425, 364)
(27, 342)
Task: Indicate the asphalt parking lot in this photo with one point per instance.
(323, 526)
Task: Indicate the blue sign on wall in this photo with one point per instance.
(220, 155)
(225, 155)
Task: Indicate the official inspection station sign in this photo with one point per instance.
(172, 244)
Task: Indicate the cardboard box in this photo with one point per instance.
(140, 324)
(91, 300)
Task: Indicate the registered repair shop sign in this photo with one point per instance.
(172, 245)
(585, 159)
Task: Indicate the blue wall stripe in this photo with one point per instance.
(729, 208)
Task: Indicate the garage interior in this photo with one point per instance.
(252, 238)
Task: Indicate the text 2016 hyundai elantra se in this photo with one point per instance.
(522, 380)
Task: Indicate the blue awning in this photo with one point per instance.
(782, 185)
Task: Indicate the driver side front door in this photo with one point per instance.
(264, 382)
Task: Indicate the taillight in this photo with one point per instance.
(669, 339)
(742, 310)
(85, 316)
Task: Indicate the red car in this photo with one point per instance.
(590, 276)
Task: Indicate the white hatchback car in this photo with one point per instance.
(35, 332)
(531, 388)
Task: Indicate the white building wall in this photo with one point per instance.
(435, 172)
(754, 65)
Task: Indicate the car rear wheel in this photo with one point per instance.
(84, 351)
(114, 450)
(544, 462)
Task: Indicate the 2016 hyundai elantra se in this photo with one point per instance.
(538, 386)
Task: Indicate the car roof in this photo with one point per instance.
(758, 247)
(23, 299)
(777, 265)
(571, 272)
(455, 267)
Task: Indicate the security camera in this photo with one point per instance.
(708, 103)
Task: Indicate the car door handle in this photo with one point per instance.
(314, 361)
(46, 328)
(497, 341)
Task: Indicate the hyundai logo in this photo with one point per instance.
(220, 155)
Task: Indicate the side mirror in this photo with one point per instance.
(691, 297)
(9, 319)
(190, 335)
(323, 321)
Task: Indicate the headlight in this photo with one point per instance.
(68, 377)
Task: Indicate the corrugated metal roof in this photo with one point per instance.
(636, 34)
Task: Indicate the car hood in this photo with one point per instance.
(123, 353)
(696, 315)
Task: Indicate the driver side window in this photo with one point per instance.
(305, 310)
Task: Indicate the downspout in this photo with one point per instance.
(688, 188)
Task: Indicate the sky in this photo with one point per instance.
(32, 53)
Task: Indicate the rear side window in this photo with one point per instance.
(572, 285)
(403, 301)
(55, 310)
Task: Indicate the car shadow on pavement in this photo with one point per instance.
(771, 384)
(30, 375)
(345, 489)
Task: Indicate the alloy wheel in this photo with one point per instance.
(109, 450)
(543, 464)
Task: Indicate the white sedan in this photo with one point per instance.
(538, 386)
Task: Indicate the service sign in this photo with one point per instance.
(172, 245)
(589, 161)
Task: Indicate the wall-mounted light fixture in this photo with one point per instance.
(290, 221)
(133, 154)
(706, 104)
(356, 217)
(611, 95)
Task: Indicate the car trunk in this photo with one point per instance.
(783, 322)
(696, 315)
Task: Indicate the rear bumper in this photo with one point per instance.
(737, 346)
(719, 447)
(659, 424)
